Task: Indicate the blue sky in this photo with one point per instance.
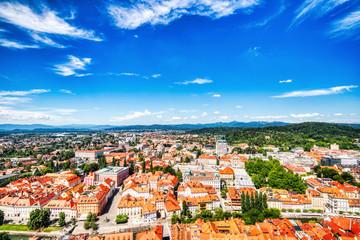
(179, 61)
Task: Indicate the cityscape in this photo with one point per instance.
(179, 120)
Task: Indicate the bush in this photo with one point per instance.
(305, 210)
(357, 213)
(341, 212)
(290, 210)
(121, 218)
(297, 210)
(283, 210)
(319, 211)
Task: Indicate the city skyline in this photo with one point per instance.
(174, 62)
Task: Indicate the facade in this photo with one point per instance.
(148, 212)
(221, 146)
(117, 174)
(206, 178)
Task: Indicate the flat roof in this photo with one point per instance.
(111, 170)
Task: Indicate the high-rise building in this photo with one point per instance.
(221, 146)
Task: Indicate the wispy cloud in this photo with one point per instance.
(223, 117)
(194, 117)
(131, 116)
(23, 93)
(285, 81)
(45, 21)
(315, 8)
(131, 16)
(66, 91)
(254, 51)
(16, 44)
(16, 97)
(216, 95)
(338, 114)
(12, 114)
(65, 111)
(204, 114)
(216, 112)
(196, 81)
(238, 106)
(156, 75)
(176, 118)
(347, 26)
(46, 40)
(305, 115)
(70, 68)
(318, 92)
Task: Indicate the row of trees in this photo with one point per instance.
(252, 216)
(272, 174)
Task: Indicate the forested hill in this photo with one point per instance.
(302, 134)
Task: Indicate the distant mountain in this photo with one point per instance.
(93, 127)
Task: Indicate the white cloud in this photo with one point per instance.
(268, 117)
(46, 40)
(131, 116)
(156, 75)
(304, 115)
(216, 95)
(66, 111)
(131, 16)
(238, 106)
(347, 26)
(204, 114)
(318, 92)
(194, 117)
(159, 116)
(11, 114)
(216, 112)
(285, 81)
(66, 91)
(45, 21)
(196, 81)
(338, 114)
(176, 118)
(171, 109)
(254, 51)
(23, 93)
(223, 117)
(15, 97)
(315, 7)
(69, 68)
(15, 44)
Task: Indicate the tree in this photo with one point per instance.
(61, 221)
(184, 208)
(102, 161)
(88, 217)
(143, 169)
(1, 217)
(37, 172)
(179, 175)
(4, 236)
(113, 163)
(131, 170)
(175, 219)
(38, 219)
(86, 225)
(124, 163)
(93, 218)
(94, 225)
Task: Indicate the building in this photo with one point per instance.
(206, 178)
(117, 174)
(149, 212)
(221, 146)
